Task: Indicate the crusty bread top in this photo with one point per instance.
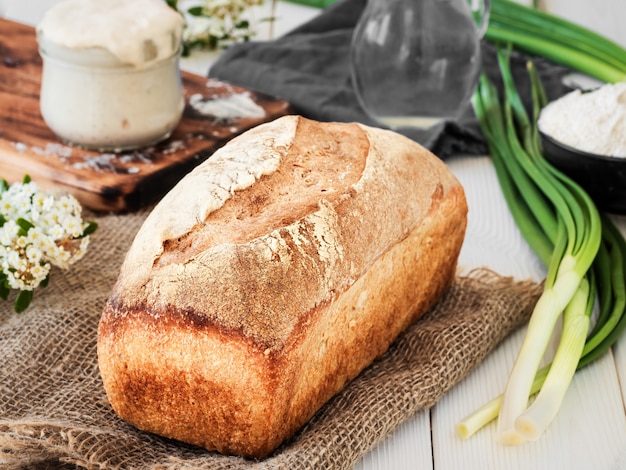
(277, 223)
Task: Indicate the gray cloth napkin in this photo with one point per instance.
(310, 68)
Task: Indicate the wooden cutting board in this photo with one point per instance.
(104, 181)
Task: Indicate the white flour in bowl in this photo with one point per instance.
(593, 122)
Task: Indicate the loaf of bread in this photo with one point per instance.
(273, 274)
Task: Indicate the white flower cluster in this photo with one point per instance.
(214, 22)
(38, 231)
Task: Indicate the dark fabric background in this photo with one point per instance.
(309, 67)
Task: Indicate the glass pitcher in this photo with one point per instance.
(416, 63)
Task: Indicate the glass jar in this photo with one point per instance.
(90, 99)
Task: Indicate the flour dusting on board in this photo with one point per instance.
(108, 162)
(228, 107)
(120, 163)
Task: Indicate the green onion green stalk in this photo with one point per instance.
(583, 251)
(556, 39)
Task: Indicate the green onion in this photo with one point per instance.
(583, 251)
(531, 423)
(611, 267)
(556, 39)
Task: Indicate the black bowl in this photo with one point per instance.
(604, 178)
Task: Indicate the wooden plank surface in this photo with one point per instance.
(407, 447)
(106, 181)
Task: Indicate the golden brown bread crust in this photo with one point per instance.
(233, 321)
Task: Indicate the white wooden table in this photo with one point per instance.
(590, 430)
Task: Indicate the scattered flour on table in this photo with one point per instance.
(235, 106)
(594, 122)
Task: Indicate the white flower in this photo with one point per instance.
(33, 254)
(60, 257)
(219, 22)
(38, 231)
(56, 232)
(73, 226)
(36, 237)
(39, 272)
(15, 283)
(13, 259)
(8, 232)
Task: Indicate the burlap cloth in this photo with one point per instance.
(54, 412)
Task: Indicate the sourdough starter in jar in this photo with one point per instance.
(111, 78)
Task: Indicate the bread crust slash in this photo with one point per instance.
(271, 276)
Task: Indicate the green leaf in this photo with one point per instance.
(23, 299)
(5, 290)
(91, 228)
(24, 225)
(195, 11)
(26, 179)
